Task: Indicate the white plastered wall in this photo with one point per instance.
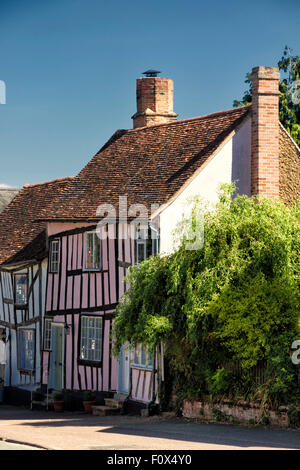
(232, 162)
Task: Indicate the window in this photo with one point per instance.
(47, 334)
(7, 289)
(92, 251)
(54, 256)
(26, 348)
(21, 289)
(91, 339)
(142, 356)
(146, 243)
(141, 250)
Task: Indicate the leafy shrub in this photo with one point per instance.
(235, 299)
(58, 395)
(88, 395)
(219, 383)
(293, 416)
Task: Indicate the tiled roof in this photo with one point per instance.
(6, 195)
(148, 165)
(21, 238)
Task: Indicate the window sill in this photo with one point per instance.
(86, 362)
(92, 270)
(26, 371)
(137, 366)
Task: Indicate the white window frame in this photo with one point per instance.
(7, 285)
(144, 237)
(142, 357)
(94, 267)
(26, 353)
(90, 335)
(54, 256)
(48, 334)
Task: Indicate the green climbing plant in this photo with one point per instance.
(231, 301)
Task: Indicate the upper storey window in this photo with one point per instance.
(92, 251)
(146, 243)
(54, 256)
(21, 289)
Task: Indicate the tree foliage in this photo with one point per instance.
(231, 300)
(289, 108)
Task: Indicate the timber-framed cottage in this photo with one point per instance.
(158, 165)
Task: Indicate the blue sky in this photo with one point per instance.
(70, 68)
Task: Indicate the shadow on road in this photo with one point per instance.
(155, 427)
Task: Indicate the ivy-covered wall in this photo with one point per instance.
(226, 308)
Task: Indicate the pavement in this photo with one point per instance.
(80, 431)
(11, 446)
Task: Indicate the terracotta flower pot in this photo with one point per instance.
(58, 405)
(88, 406)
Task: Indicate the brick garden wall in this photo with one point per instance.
(244, 412)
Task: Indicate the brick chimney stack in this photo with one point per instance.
(154, 96)
(265, 131)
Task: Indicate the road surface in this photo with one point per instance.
(81, 431)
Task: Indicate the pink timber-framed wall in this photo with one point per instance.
(73, 291)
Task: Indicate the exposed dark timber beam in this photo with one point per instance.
(18, 266)
(73, 311)
(33, 281)
(12, 326)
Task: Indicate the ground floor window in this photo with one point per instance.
(142, 356)
(91, 338)
(26, 349)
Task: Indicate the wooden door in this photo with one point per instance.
(57, 357)
(124, 369)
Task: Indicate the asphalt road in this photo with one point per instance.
(72, 431)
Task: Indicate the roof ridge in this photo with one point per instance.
(47, 182)
(9, 189)
(217, 113)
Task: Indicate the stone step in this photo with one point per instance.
(103, 410)
(113, 403)
(120, 396)
(39, 402)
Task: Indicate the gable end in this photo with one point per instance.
(289, 168)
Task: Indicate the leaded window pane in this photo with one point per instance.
(21, 289)
(93, 251)
(91, 338)
(26, 348)
(54, 256)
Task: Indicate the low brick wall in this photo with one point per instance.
(243, 412)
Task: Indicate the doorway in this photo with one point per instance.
(57, 357)
(124, 369)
